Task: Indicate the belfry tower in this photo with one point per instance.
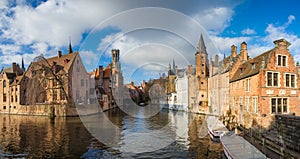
(202, 72)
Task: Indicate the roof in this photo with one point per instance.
(8, 69)
(64, 62)
(201, 45)
(252, 66)
(10, 75)
(107, 72)
(225, 65)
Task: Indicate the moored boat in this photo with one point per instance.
(215, 128)
(236, 147)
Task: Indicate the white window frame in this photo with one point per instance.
(276, 112)
(286, 62)
(255, 103)
(278, 82)
(241, 100)
(248, 85)
(290, 80)
(247, 98)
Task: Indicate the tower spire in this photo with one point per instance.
(23, 67)
(201, 46)
(70, 50)
(174, 66)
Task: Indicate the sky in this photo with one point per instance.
(149, 33)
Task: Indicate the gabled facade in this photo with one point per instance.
(264, 86)
(55, 86)
(10, 88)
(220, 74)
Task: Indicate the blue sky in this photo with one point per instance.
(149, 33)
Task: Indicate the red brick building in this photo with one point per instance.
(264, 86)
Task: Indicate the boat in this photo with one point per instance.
(215, 128)
(236, 147)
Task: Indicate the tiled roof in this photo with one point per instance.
(8, 69)
(252, 66)
(107, 72)
(64, 62)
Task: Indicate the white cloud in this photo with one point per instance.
(7, 49)
(3, 4)
(291, 18)
(215, 19)
(46, 28)
(89, 58)
(224, 43)
(248, 31)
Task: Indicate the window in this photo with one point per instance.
(12, 99)
(253, 66)
(62, 95)
(55, 83)
(82, 82)
(290, 80)
(248, 85)
(4, 83)
(241, 100)
(4, 97)
(287, 80)
(54, 94)
(254, 104)
(281, 60)
(279, 105)
(272, 79)
(247, 103)
(4, 107)
(16, 99)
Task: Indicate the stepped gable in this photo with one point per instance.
(252, 66)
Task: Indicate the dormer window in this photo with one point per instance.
(242, 70)
(281, 60)
(253, 66)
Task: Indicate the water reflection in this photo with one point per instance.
(39, 137)
(177, 134)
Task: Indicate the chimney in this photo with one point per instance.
(14, 65)
(244, 52)
(100, 68)
(282, 44)
(59, 54)
(233, 51)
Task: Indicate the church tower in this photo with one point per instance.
(115, 58)
(202, 72)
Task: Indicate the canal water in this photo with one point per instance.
(164, 135)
